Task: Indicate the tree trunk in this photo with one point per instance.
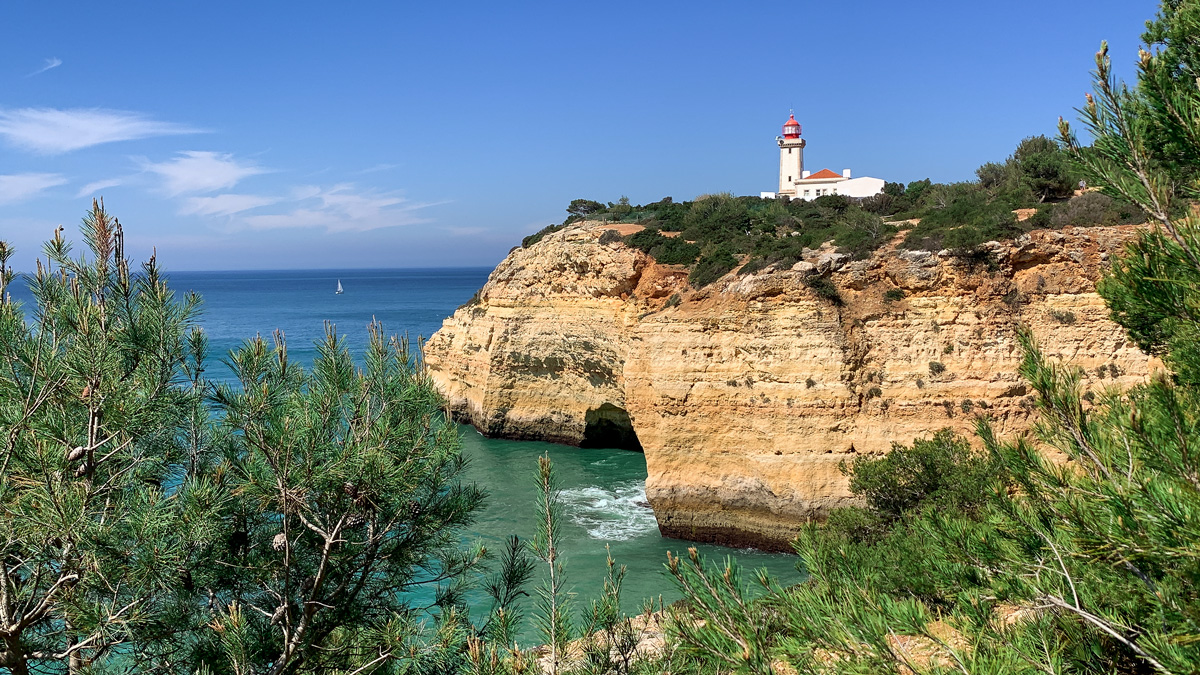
(13, 657)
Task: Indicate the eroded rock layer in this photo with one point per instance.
(746, 395)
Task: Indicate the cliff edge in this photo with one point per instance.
(747, 394)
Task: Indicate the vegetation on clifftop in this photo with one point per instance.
(715, 233)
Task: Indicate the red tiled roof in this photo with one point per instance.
(824, 173)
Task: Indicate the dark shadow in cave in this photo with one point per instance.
(609, 427)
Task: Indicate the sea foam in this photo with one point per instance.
(616, 513)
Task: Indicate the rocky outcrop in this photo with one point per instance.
(748, 394)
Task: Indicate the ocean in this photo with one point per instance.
(603, 490)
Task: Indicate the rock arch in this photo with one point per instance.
(609, 427)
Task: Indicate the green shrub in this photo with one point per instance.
(1064, 317)
(976, 257)
(942, 470)
(1044, 168)
(675, 251)
(722, 220)
(584, 207)
(936, 368)
(894, 295)
(881, 204)
(962, 216)
(609, 237)
(667, 215)
(1094, 208)
(825, 289)
(856, 524)
(537, 236)
(666, 250)
(645, 240)
(1043, 218)
(712, 266)
(753, 265)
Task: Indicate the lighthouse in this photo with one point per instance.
(796, 183)
(791, 157)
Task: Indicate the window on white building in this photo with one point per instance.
(806, 193)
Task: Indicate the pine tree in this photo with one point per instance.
(554, 599)
(285, 524)
(347, 501)
(100, 497)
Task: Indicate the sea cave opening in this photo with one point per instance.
(609, 427)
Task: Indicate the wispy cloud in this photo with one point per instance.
(224, 205)
(50, 63)
(196, 171)
(18, 187)
(377, 168)
(52, 131)
(341, 208)
(96, 186)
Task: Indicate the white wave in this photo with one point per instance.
(618, 513)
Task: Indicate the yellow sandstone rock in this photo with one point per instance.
(746, 395)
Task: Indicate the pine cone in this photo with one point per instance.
(83, 469)
(76, 453)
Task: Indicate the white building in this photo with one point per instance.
(796, 183)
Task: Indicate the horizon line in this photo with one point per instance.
(172, 270)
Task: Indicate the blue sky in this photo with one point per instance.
(252, 135)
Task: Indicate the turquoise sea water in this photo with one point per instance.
(603, 489)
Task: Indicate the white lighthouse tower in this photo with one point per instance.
(791, 157)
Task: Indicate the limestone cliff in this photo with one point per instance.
(746, 395)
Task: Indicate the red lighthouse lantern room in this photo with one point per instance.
(791, 128)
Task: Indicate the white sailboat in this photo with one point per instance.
(339, 290)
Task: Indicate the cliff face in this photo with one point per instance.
(746, 395)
